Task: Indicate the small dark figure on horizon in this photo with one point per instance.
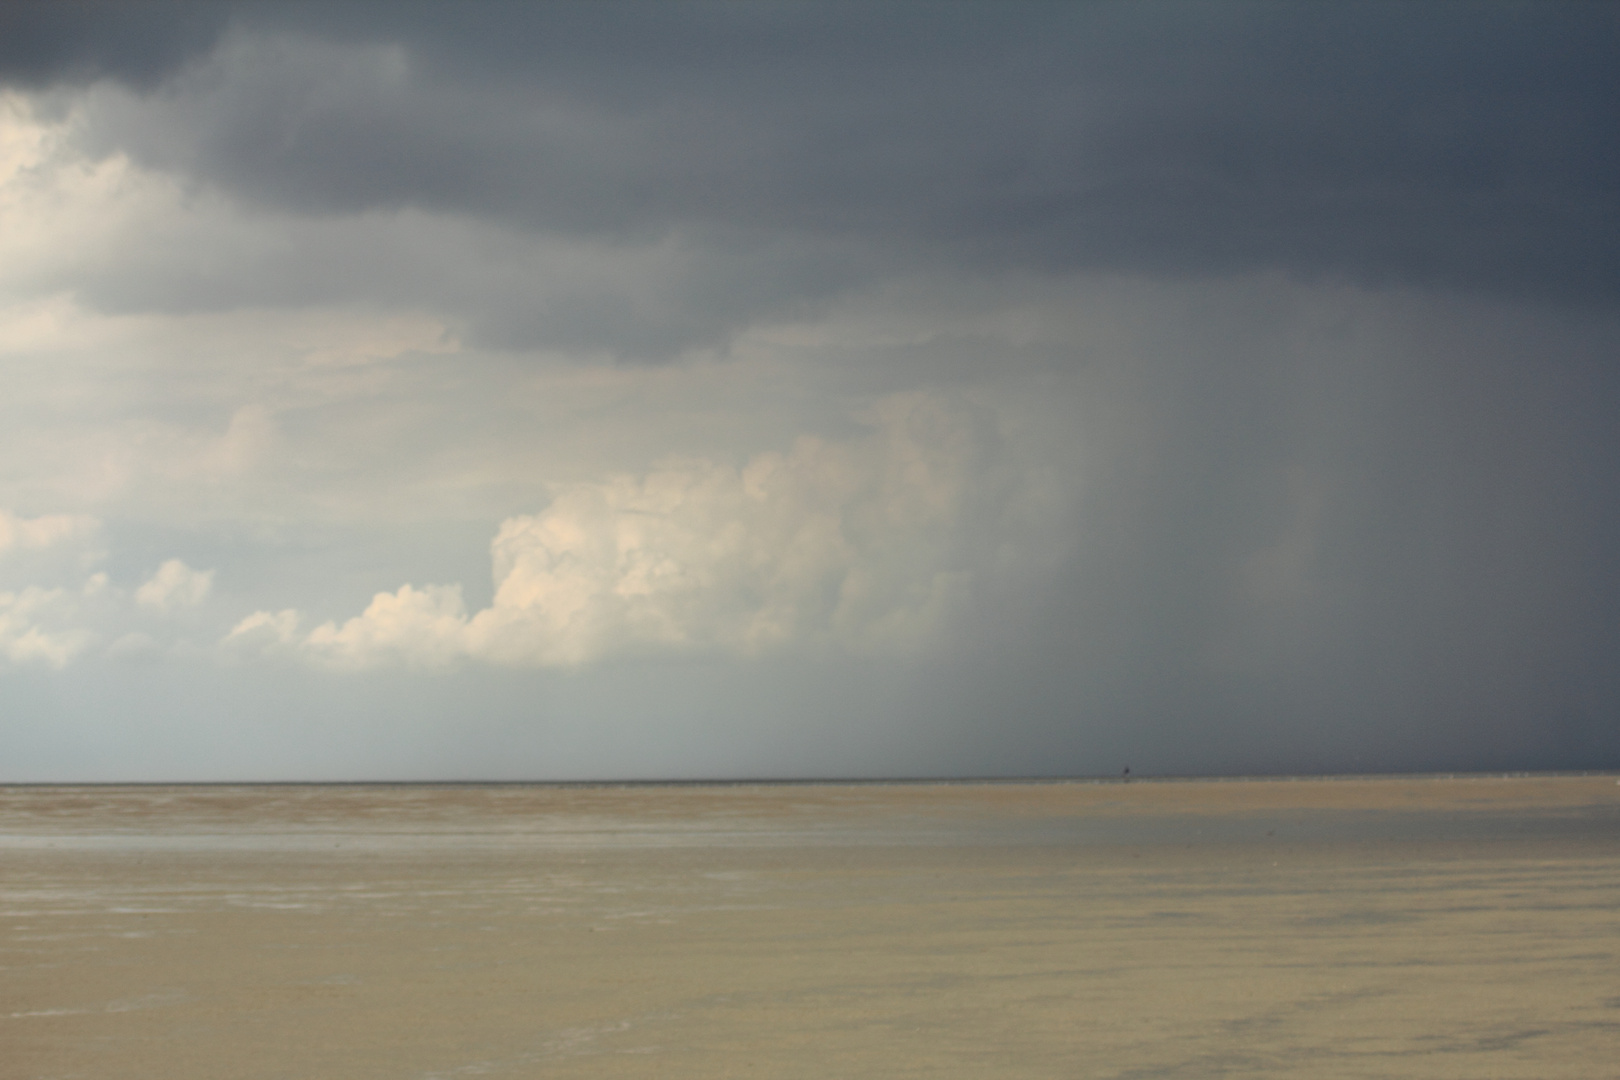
(1126, 775)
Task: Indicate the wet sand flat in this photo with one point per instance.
(1465, 927)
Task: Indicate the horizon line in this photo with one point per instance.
(870, 781)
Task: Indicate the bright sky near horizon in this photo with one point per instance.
(687, 390)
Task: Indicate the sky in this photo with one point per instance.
(636, 391)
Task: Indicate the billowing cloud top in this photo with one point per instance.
(865, 544)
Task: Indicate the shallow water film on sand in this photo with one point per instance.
(1431, 927)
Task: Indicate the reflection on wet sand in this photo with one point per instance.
(1337, 928)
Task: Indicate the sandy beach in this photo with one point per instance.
(1427, 927)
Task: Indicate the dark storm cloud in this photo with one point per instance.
(141, 43)
(1460, 147)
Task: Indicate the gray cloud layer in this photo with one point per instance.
(1436, 146)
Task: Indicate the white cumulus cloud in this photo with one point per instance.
(175, 585)
(263, 632)
(54, 604)
(860, 544)
(422, 627)
(46, 626)
(47, 531)
(42, 620)
(51, 548)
